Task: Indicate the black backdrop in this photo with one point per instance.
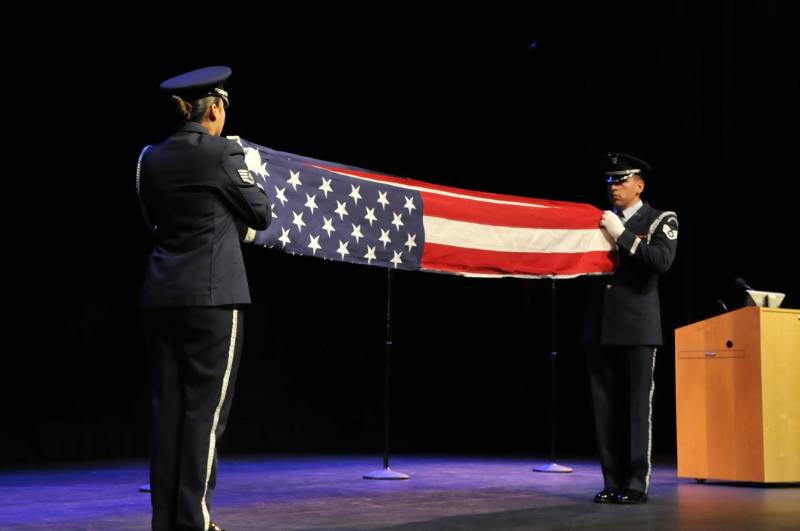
(521, 102)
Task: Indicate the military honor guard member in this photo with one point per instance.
(628, 331)
(200, 201)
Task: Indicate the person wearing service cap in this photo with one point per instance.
(200, 201)
(628, 331)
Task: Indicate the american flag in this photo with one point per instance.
(343, 213)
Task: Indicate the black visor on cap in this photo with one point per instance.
(619, 177)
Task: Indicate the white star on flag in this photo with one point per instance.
(328, 226)
(409, 204)
(385, 238)
(370, 256)
(342, 250)
(341, 210)
(411, 242)
(382, 199)
(326, 186)
(354, 193)
(398, 220)
(311, 203)
(295, 179)
(298, 220)
(279, 193)
(356, 232)
(314, 244)
(284, 237)
(396, 259)
(370, 216)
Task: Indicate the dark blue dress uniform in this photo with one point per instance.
(199, 199)
(626, 333)
(198, 202)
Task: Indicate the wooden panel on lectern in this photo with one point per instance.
(738, 396)
(780, 345)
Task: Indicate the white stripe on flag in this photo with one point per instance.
(435, 191)
(514, 239)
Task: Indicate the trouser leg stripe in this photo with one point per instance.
(212, 438)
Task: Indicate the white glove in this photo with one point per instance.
(612, 224)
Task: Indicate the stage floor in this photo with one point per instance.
(444, 493)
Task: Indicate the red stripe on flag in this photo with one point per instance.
(446, 258)
(563, 216)
(447, 189)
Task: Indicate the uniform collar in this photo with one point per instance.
(631, 211)
(193, 127)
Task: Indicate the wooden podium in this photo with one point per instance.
(737, 378)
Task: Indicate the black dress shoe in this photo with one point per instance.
(606, 496)
(214, 527)
(629, 497)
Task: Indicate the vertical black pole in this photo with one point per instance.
(386, 472)
(553, 354)
(552, 466)
(387, 370)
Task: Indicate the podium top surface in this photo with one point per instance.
(743, 310)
